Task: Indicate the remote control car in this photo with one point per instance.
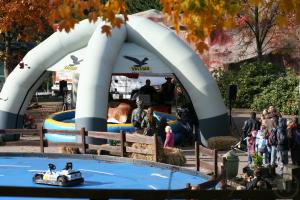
(65, 177)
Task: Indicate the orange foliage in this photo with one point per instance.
(202, 17)
(23, 17)
(66, 13)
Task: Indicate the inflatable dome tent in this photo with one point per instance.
(139, 38)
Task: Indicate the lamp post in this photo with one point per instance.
(232, 92)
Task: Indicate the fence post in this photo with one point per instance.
(122, 140)
(216, 163)
(41, 133)
(155, 148)
(188, 186)
(223, 174)
(197, 156)
(83, 134)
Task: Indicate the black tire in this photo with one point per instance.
(62, 180)
(38, 177)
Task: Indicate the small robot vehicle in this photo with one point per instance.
(65, 177)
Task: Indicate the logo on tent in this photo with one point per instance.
(75, 60)
(138, 63)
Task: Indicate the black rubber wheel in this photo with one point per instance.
(38, 177)
(61, 180)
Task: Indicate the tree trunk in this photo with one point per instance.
(7, 54)
(258, 36)
(259, 51)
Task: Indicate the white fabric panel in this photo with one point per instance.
(94, 80)
(183, 61)
(132, 54)
(38, 60)
(70, 62)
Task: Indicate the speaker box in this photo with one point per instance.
(232, 91)
(63, 86)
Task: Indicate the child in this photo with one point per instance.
(169, 142)
(251, 145)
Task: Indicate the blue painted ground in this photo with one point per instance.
(18, 171)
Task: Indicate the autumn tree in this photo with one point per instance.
(260, 18)
(20, 21)
(266, 24)
(200, 17)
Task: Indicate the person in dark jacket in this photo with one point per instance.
(167, 93)
(148, 89)
(258, 183)
(282, 144)
(293, 133)
(250, 124)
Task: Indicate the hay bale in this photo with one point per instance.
(222, 142)
(141, 156)
(173, 156)
(91, 151)
(68, 150)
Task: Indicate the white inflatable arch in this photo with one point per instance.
(139, 38)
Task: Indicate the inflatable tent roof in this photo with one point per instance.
(139, 46)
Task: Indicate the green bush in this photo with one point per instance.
(251, 79)
(257, 160)
(282, 93)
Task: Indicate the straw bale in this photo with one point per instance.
(138, 155)
(68, 150)
(174, 156)
(171, 156)
(222, 142)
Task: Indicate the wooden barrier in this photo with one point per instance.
(121, 148)
(44, 143)
(212, 154)
(117, 137)
(23, 132)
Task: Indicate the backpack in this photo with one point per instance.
(297, 136)
(262, 146)
(273, 137)
(282, 137)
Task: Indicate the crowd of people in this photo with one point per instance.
(170, 94)
(149, 125)
(272, 136)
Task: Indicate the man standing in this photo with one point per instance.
(148, 89)
(138, 114)
(167, 93)
(282, 144)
